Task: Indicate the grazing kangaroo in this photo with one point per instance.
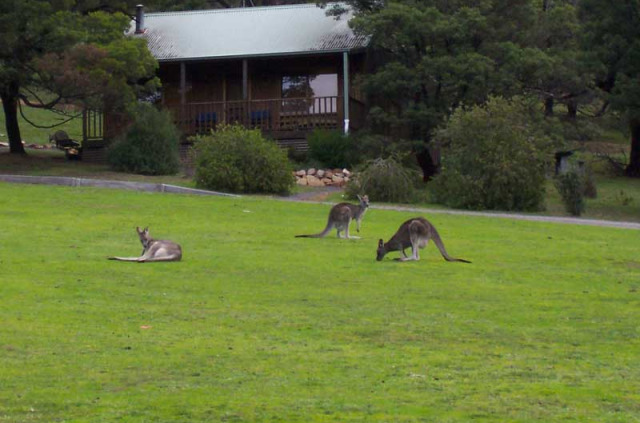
(154, 250)
(414, 233)
(341, 216)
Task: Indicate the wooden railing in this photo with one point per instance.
(92, 125)
(284, 114)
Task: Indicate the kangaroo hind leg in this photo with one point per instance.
(346, 230)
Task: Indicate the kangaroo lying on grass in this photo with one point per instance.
(341, 216)
(154, 250)
(414, 233)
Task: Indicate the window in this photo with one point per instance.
(310, 93)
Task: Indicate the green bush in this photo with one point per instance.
(235, 159)
(570, 185)
(384, 180)
(150, 145)
(492, 158)
(331, 148)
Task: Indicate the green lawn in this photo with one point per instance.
(33, 135)
(255, 325)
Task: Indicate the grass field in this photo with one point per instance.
(33, 135)
(255, 325)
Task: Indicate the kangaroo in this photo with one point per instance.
(340, 217)
(414, 233)
(154, 250)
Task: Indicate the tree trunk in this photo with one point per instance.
(425, 161)
(548, 106)
(10, 106)
(572, 110)
(633, 169)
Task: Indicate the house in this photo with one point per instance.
(282, 69)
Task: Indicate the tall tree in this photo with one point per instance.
(560, 77)
(68, 51)
(612, 37)
(436, 56)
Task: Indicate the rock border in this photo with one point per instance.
(322, 177)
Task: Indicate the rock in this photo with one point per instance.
(337, 180)
(301, 181)
(320, 173)
(346, 172)
(311, 171)
(328, 174)
(327, 181)
(312, 181)
(301, 173)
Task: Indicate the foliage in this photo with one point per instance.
(570, 185)
(236, 159)
(331, 148)
(369, 146)
(611, 30)
(433, 57)
(76, 51)
(493, 158)
(255, 325)
(150, 145)
(297, 156)
(384, 180)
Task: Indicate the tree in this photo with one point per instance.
(554, 58)
(68, 51)
(435, 56)
(611, 31)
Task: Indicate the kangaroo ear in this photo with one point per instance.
(380, 243)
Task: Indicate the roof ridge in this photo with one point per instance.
(239, 9)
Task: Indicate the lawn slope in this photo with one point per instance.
(255, 325)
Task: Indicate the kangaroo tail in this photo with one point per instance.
(322, 234)
(438, 241)
(124, 258)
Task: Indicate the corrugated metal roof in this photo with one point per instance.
(247, 32)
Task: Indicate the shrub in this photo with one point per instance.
(384, 180)
(570, 185)
(492, 158)
(331, 148)
(296, 156)
(150, 145)
(236, 159)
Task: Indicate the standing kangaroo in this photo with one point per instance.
(154, 250)
(341, 216)
(414, 233)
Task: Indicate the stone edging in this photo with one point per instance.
(101, 183)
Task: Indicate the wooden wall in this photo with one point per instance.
(222, 79)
